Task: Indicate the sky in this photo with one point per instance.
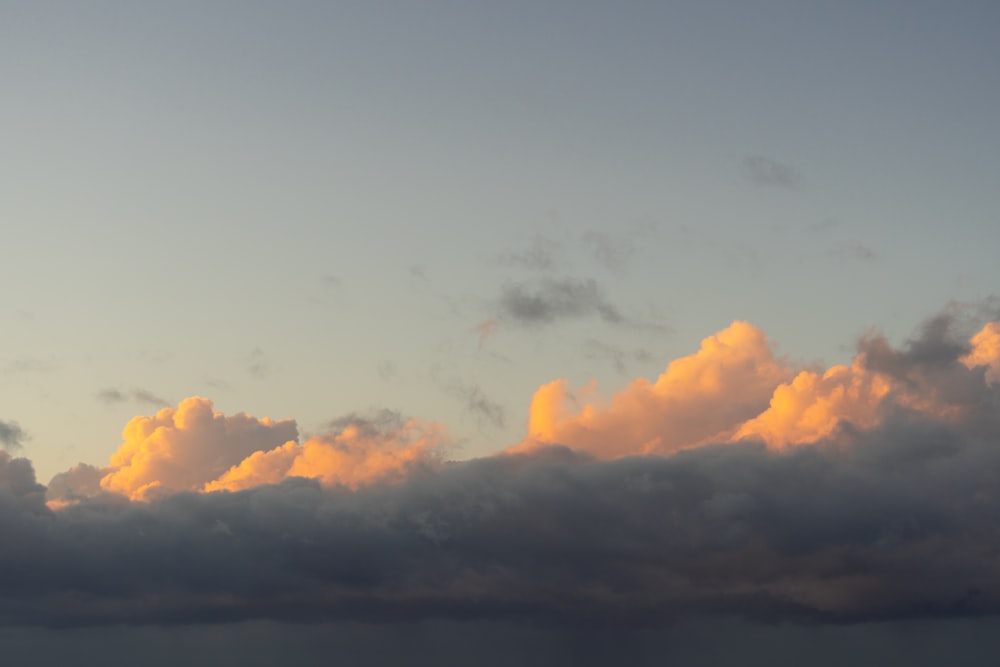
(576, 329)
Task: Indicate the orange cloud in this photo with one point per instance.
(986, 351)
(352, 457)
(182, 449)
(733, 388)
(813, 405)
(195, 448)
(701, 397)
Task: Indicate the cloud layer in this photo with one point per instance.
(733, 484)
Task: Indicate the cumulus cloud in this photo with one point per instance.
(550, 300)
(698, 398)
(734, 388)
(182, 449)
(361, 452)
(985, 352)
(195, 448)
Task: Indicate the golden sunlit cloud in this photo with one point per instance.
(352, 457)
(195, 448)
(986, 351)
(698, 398)
(734, 388)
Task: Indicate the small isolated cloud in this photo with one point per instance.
(257, 365)
(539, 256)
(855, 250)
(12, 436)
(28, 365)
(113, 395)
(769, 172)
(485, 329)
(486, 411)
(550, 300)
(600, 350)
(613, 253)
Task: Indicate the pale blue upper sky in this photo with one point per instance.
(303, 209)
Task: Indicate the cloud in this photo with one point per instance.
(185, 448)
(732, 485)
(486, 411)
(195, 448)
(897, 525)
(257, 365)
(769, 172)
(611, 252)
(485, 330)
(113, 395)
(984, 351)
(539, 256)
(734, 388)
(704, 396)
(360, 451)
(550, 300)
(12, 436)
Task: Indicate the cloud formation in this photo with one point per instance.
(734, 484)
(699, 398)
(734, 388)
(195, 448)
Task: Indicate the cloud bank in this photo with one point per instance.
(733, 484)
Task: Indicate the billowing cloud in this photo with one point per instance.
(698, 398)
(734, 388)
(361, 452)
(183, 449)
(985, 352)
(195, 448)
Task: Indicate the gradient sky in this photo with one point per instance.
(307, 210)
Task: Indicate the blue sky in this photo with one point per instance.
(305, 210)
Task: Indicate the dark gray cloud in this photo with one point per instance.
(550, 300)
(113, 395)
(12, 436)
(769, 172)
